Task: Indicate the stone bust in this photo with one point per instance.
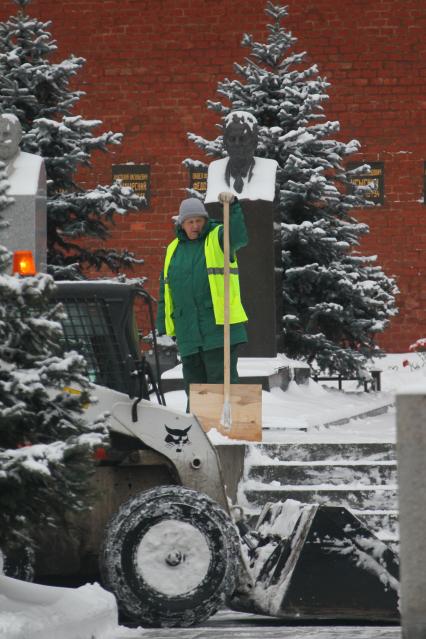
(247, 176)
(240, 141)
(24, 170)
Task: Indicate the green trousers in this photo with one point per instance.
(206, 367)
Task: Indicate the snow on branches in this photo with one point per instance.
(38, 92)
(334, 300)
(45, 442)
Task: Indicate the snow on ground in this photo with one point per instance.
(312, 412)
(31, 611)
(228, 624)
(305, 413)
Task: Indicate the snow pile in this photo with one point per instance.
(217, 438)
(31, 611)
(369, 553)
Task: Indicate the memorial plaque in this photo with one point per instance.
(137, 177)
(198, 178)
(374, 178)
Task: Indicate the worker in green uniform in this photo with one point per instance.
(191, 304)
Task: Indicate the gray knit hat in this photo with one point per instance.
(191, 207)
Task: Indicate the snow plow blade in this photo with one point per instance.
(318, 562)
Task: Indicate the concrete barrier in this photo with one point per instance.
(411, 455)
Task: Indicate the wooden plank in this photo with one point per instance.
(206, 402)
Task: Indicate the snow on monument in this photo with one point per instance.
(249, 177)
(27, 178)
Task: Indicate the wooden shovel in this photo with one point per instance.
(234, 410)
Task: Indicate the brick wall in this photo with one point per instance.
(151, 66)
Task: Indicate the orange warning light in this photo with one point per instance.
(23, 263)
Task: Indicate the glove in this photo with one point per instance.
(225, 196)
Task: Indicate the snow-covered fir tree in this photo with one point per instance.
(335, 301)
(38, 92)
(46, 445)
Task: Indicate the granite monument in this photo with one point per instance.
(26, 173)
(252, 180)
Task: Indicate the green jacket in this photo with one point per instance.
(193, 308)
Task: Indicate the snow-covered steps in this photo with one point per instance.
(357, 473)
(351, 495)
(360, 476)
(318, 451)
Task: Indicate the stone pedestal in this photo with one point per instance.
(411, 450)
(27, 215)
(258, 278)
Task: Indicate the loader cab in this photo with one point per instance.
(100, 324)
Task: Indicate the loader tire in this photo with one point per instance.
(170, 556)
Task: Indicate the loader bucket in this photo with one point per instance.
(319, 562)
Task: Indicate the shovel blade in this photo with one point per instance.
(207, 403)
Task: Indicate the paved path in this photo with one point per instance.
(230, 625)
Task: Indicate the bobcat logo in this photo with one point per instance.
(176, 437)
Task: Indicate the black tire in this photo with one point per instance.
(170, 556)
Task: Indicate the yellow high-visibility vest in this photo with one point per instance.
(215, 263)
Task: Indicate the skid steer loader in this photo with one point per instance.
(174, 553)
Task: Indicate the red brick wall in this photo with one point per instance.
(151, 66)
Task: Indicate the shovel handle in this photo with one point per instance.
(226, 199)
(226, 327)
